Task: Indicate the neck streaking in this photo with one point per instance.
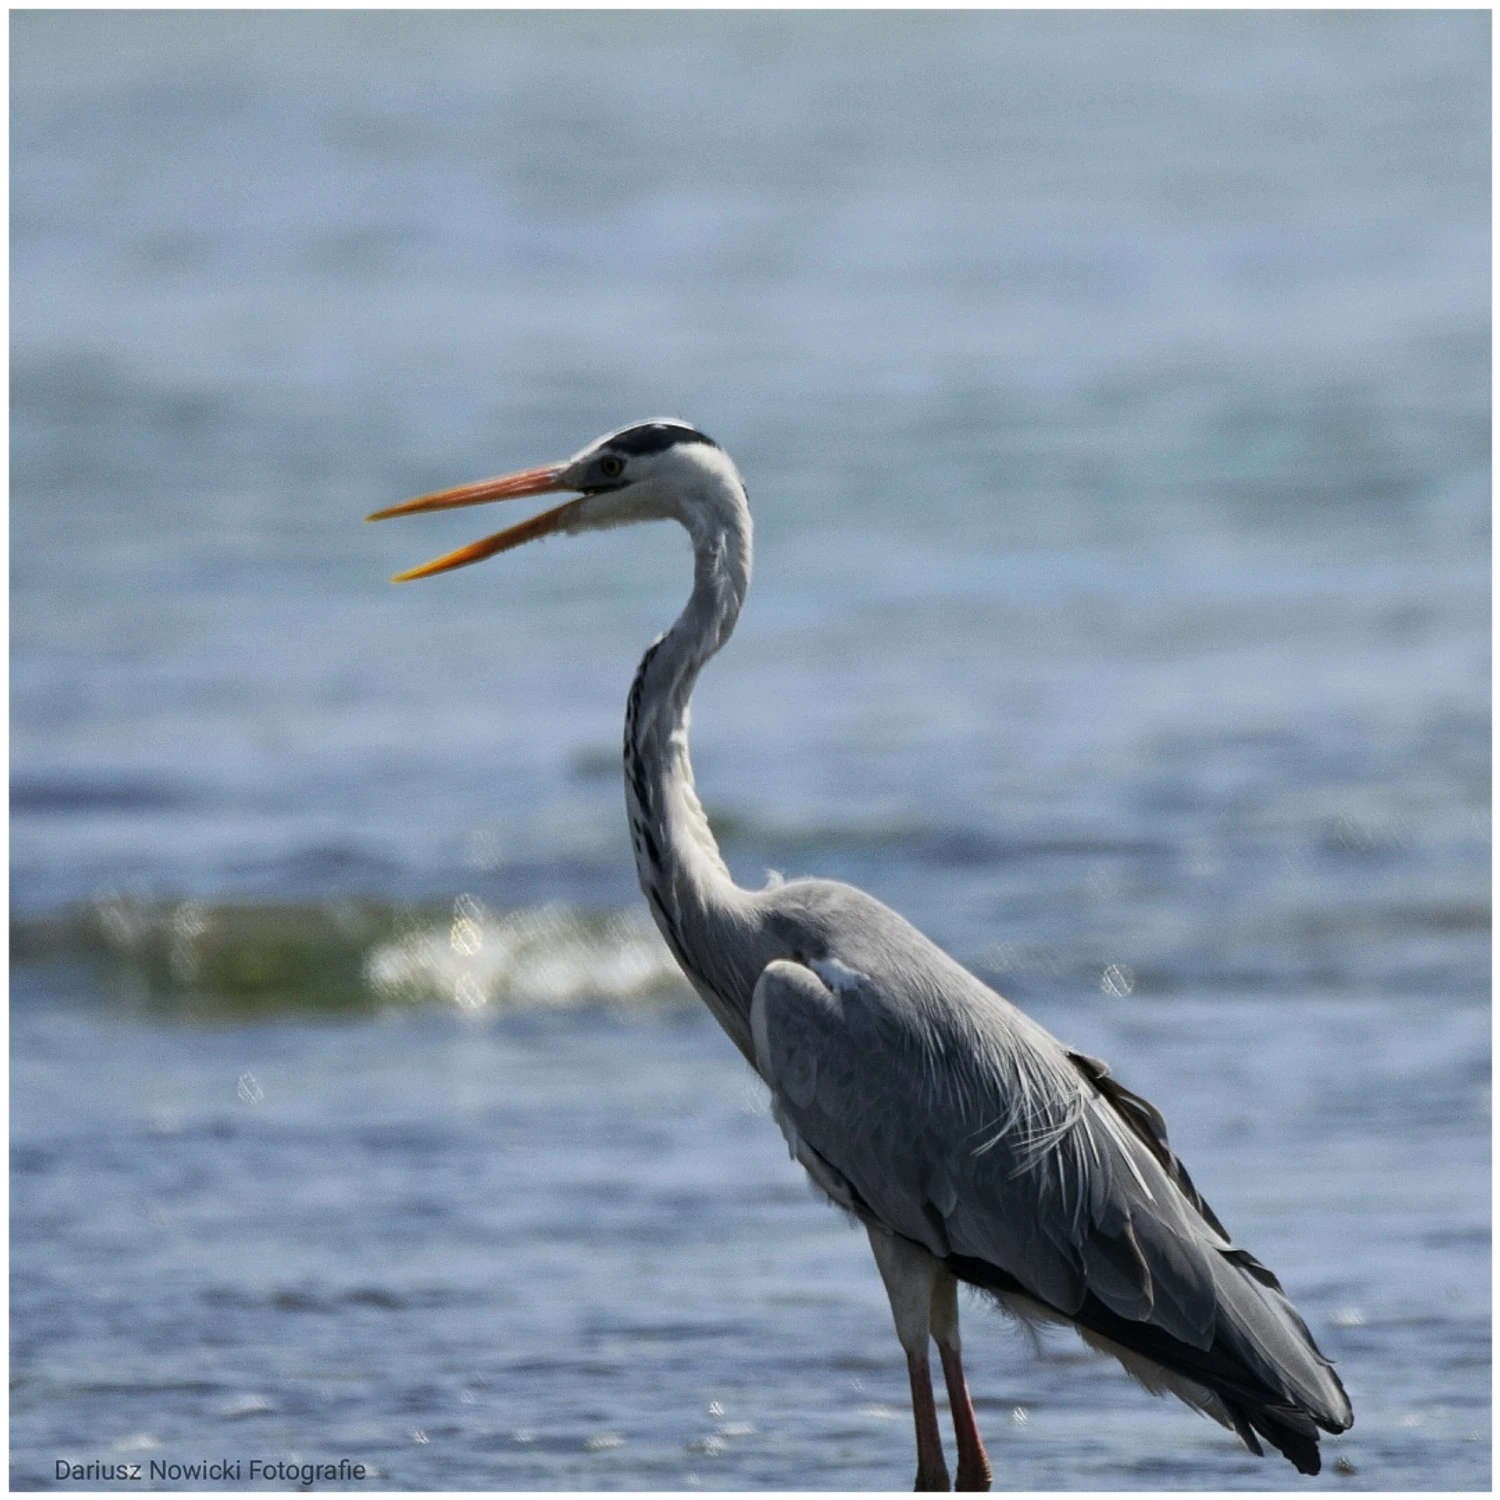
(686, 883)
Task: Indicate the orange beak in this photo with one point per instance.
(539, 481)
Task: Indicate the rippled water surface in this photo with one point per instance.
(1113, 394)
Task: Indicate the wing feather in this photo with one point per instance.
(953, 1119)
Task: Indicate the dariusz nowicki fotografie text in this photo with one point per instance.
(215, 1471)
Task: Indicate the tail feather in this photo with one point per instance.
(1292, 1433)
(1226, 1380)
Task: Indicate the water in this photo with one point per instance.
(521, 1239)
(1113, 396)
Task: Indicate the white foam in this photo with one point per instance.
(548, 956)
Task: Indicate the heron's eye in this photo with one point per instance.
(611, 467)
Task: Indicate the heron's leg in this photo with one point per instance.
(910, 1275)
(932, 1467)
(974, 1471)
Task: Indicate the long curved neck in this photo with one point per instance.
(696, 904)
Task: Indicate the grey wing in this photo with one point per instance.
(986, 1145)
(925, 1102)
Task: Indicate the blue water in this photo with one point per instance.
(1113, 394)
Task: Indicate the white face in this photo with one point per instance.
(654, 471)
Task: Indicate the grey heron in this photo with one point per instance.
(970, 1143)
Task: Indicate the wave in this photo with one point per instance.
(544, 956)
(205, 959)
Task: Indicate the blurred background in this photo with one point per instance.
(1113, 395)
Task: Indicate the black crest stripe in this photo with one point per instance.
(655, 437)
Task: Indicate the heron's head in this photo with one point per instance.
(649, 471)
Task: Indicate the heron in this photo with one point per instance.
(971, 1145)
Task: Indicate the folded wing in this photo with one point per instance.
(922, 1101)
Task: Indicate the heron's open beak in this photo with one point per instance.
(539, 481)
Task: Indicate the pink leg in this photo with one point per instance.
(974, 1471)
(932, 1468)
